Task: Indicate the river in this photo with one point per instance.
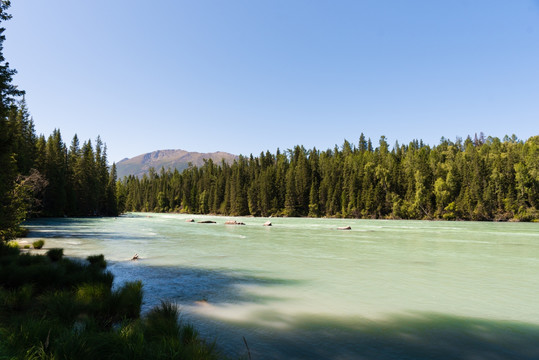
(302, 289)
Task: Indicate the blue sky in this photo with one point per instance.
(249, 76)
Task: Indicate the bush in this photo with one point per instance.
(26, 246)
(162, 321)
(55, 254)
(6, 251)
(94, 295)
(13, 244)
(97, 261)
(127, 301)
(38, 244)
(18, 299)
(60, 305)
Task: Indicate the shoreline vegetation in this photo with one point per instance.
(52, 307)
(480, 179)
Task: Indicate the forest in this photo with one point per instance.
(43, 177)
(483, 178)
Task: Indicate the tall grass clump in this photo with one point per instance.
(127, 301)
(163, 321)
(55, 254)
(97, 261)
(38, 244)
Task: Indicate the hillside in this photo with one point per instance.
(173, 159)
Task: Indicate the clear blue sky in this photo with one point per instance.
(249, 76)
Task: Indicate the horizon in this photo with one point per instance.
(245, 78)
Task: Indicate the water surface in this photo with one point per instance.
(302, 289)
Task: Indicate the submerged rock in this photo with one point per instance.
(207, 222)
(233, 222)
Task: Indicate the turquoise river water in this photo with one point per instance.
(301, 289)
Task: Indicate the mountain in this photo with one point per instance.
(173, 159)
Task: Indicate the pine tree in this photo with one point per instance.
(11, 209)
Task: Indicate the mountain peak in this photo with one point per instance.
(168, 159)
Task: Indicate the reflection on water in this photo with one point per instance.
(302, 289)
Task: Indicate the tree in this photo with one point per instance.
(11, 208)
(488, 179)
(112, 194)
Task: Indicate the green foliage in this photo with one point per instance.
(17, 299)
(480, 179)
(40, 176)
(11, 208)
(163, 322)
(127, 300)
(38, 244)
(55, 254)
(97, 261)
(67, 309)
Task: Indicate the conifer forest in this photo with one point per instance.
(483, 178)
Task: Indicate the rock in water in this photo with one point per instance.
(233, 222)
(267, 223)
(344, 228)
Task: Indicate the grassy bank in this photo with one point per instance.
(57, 308)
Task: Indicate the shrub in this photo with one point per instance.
(162, 321)
(93, 294)
(188, 334)
(97, 261)
(6, 250)
(60, 305)
(13, 244)
(55, 254)
(38, 244)
(127, 300)
(26, 246)
(18, 299)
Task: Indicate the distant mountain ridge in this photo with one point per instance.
(169, 159)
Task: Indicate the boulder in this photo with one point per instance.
(344, 228)
(267, 223)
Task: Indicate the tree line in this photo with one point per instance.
(42, 177)
(472, 179)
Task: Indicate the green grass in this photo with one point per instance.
(97, 260)
(55, 254)
(52, 307)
